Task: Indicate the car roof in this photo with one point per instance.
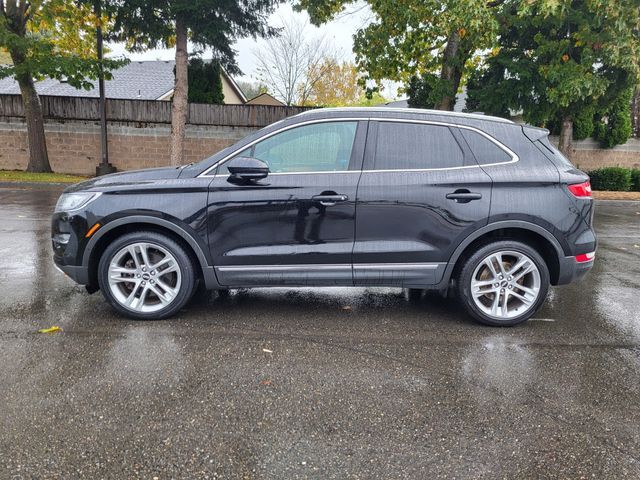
(390, 112)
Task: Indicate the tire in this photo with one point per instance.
(155, 285)
(523, 280)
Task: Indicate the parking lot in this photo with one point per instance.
(316, 383)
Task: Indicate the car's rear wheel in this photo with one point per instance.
(146, 275)
(504, 283)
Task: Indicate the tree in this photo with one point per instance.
(558, 61)
(47, 39)
(635, 112)
(205, 83)
(431, 40)
(291, 64)
(252, 89)
(147, 24)
(339, 85)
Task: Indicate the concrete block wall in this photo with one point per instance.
(587, 154)
(74, 145)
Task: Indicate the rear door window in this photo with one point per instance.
(416, 146)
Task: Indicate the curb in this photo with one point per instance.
(33, 185)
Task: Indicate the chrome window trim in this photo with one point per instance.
(511, 153)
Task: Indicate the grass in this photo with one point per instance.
(19, 176)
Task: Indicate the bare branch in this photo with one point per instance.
(289, 64)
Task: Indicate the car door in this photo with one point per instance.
(295, 227)
(420, 194)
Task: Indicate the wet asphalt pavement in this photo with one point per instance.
(316, 383)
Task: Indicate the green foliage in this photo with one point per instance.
(145, 24)
(205, 84)
(615, 179)
(489, 101)
(559, 60)
(409, 39)
(583, 123)
(38, 49)
(370, 100)
(635, 179)
(614, 126)
(422, 90)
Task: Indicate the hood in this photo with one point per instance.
(129, 178)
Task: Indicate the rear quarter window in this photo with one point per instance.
(556, 154)
(406, 146)
(484, 150)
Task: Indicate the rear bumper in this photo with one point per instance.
(572, 271)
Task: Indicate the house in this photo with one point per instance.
(138, 80)
(265, 99)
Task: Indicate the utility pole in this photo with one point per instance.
(104, 167)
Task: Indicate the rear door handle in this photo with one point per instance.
(462, 195)
(329, 200)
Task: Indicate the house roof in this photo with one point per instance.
(147, 80)
(265, 99)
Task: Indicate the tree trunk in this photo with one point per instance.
(454, 57)
(565, 145)
(635, 112)
(38, 157)
(180, 105)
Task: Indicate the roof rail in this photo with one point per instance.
(424, 111)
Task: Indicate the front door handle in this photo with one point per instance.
(329, 200)
(462, 195)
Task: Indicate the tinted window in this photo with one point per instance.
(416, 146)
(319, 147)
(483, 149)
(557, 154)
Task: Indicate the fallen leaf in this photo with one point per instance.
(267, 350)
(53, 329)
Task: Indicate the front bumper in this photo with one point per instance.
(78, 274)
(68, 242)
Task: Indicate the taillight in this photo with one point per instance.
(585, 257)
(581, 190)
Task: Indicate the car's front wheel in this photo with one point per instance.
(504, 283)
(146, 275)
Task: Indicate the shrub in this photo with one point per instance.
(616, 179)
(583, 124)
(635, 179)
(614, 126)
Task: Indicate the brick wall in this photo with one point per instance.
(74, 145)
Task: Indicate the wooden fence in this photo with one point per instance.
(150, 111)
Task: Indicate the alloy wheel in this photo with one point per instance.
(144, 277)
(505, 284)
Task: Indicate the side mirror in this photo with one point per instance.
(247, 168)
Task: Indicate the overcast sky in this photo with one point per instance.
(339, 32)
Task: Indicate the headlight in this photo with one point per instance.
(74, 201)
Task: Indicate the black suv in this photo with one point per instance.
(348, 196)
